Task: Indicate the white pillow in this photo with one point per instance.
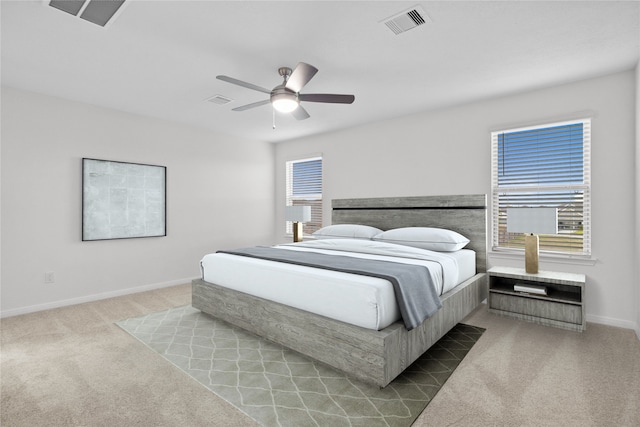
(347, 231)
(433, 239)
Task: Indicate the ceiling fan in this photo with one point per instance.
(286, 97)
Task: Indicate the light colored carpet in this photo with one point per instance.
(74, 367)
(279, 387)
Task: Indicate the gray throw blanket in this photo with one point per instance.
(415, 293)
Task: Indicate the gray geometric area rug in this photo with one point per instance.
(280, 387)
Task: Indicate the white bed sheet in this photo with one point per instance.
(363, 301)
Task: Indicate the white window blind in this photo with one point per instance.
(304, 188)
(544, 166)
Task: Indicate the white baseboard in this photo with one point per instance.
(613, 322)
(90, 298)
(105, 295)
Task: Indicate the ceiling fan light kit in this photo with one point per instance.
(284, 100)
(286, 97)
(284, 103)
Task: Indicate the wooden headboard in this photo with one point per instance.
(466, 214)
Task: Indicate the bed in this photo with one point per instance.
(363, 351)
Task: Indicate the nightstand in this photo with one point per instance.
(553, 298)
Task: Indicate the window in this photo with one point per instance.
(304, 187)
(545, 166)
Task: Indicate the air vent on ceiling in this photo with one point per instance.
(97, 11)
(219, 99)
(406, 20)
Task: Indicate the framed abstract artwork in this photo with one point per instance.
(123, 200)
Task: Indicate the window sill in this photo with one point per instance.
(559, 259)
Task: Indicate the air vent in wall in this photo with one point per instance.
(406, 20)
(97, 11)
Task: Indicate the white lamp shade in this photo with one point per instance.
(297, 213)
(532, 220)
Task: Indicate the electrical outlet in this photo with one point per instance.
(49, 277)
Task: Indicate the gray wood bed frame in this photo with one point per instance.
(375, 357)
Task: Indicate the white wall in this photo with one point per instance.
(637, 213)
(448, 152)
(219, 195)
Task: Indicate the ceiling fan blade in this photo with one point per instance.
(300, 113)
(255, 104)
(243, 84)
(327, 97)
(300, 76)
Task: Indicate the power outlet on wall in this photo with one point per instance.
(49, 277)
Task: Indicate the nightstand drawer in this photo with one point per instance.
(536, 307)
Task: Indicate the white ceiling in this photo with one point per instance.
(160, 58)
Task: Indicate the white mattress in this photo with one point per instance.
(363, 301)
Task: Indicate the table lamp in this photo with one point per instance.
(299, 215)
(532, 221)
